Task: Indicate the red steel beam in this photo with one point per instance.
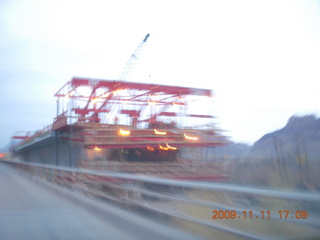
(77, 81)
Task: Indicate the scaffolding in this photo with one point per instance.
(118, 114)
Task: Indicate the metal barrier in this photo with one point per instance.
(210, 210)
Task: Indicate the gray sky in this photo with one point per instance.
(261, 58)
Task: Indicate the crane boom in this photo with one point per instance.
(123, 77)
(133, 59)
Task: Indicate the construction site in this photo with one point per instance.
(123, 126)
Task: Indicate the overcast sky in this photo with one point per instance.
(261, 58)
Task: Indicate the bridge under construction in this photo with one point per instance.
(127, 127)
(117, 125)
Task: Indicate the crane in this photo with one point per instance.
(133, 59)
(123, 77)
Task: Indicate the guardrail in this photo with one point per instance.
(210, 210)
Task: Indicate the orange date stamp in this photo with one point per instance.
(264, 214)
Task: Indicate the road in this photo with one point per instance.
(29, 210)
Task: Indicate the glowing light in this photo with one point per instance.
(163, 148)
(105, 95)
(190, 137)
(70, 94)
(94, 100)
(97, 149)
(124, 132)
(159, 132)
(152, 102)
(150, 148)
(169, 147)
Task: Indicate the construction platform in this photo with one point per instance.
(120, 123)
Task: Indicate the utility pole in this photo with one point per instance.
(277, 156)
(56, 136)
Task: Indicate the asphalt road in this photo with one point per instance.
(29, 210)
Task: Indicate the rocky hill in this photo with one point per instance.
(299, 138)
(288, 157)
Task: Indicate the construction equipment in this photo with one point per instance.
(143, 109)
(118, 123)
(133, 59)
(123, 77)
